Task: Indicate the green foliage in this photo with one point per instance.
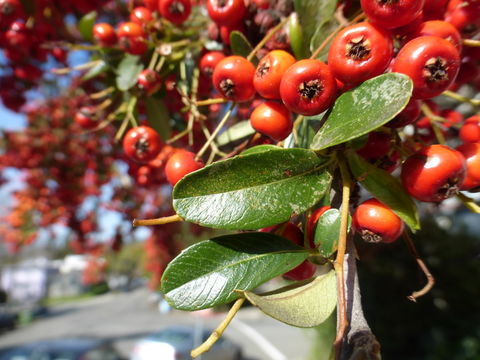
(239, 44)
(252, 191)
(208, 273)
(327, 232)
(85, 25)
(158, 116)
(127, 72)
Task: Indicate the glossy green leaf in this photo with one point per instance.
(240, 45)
(235, 132)
(127, 72)
(312, 14)
(297, 42)
(98, 69)
(363, 109)
(208, 273)
(387, 189)
(322, 33)
(252, 191)
(85, 25)
(158, 116)
(260, 148)
(307, 305)
(327, 232)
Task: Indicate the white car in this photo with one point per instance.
(176, 342)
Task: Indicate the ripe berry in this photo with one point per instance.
(175, 11)
(407, 116)
(390, 14)
(104, 34)
(376, 222)
(181, 163)
(308, 87)
(149, 81)
(132, 38)
(434, 173)
(431, 62)
(9, 11)
(269, 72)
(142, 143)
(471, 153)
(226, 31)
(226, 12)
(18, 36)
(360, 52)
(440, 29)
(141, 15)
(470, 131)
(85, 117)
(130, 30)
(272, 119)
(233, 78)
(209, 61)
(377, 146)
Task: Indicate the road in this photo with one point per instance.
(125, 317)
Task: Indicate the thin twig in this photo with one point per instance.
(159, 221)
(103, 93)
(218, 332)
(469, 203)
(460, 98)
(211, 102)
(267, 37)
(471, 42)
(434, 119)
(421, 264)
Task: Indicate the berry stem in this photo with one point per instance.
(211, 102)
(103, 93)
(218, 332)
(460, 98)
(469, 203)
(421, 264)
(67, 70)
(434, 120)
(267, 37)
(471, 42)
(159, 221)
(338, 264)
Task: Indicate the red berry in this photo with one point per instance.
(142, 144)
(141, 15)
(470, 131)
(85, 117)
(434, 173)
(104, 34)
(308, 87)
(377, 146)
(225, 32)
(360, 52)
(471, 153)
(209, 61)
(440, 29)
(376, 222)
(181, 163)
(272, 119)
(175, 11)
(302, 272)
(18, 36)
(226, 12)
(431, 62)
(130, 30)
(269, 72)
(452, 117)
(233, 78)
(132, 38)
(391, 14)
(407, 116)
(149, 81)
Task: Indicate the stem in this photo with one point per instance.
(215, 132)
(421, 264)
(153, 60)
(338, 264)
(103, 93)
(159, 221)
(211, 102)
(267, 37)
(218, 332)
(471, 42)
(85, 66)
(460, 98)
(469, 203)
(434, 120)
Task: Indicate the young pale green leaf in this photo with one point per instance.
(240, 44)
(158, 116)
(85, 25)
(363, 109)
(307, 305)
(323, 31)
(127, 72)
(387, 189)
(297, 42)
(312, 14)
(260, 148)
(252, 191)
(98, 69)
(327, 232)
(208, 273)
(235, 132)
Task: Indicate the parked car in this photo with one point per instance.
(64, 349)
(176, 342)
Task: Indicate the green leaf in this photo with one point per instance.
(127, 72)
(85, 25)
(297, 42)
(385, 188)
(312, 14)
(327, 232)
(252, 191)
(236, 132)
(158, 116)
(208, 273)
(366, 108)
(98, 69)
(259, 149)
(323, 31)
(307, 305)
(240, 45)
